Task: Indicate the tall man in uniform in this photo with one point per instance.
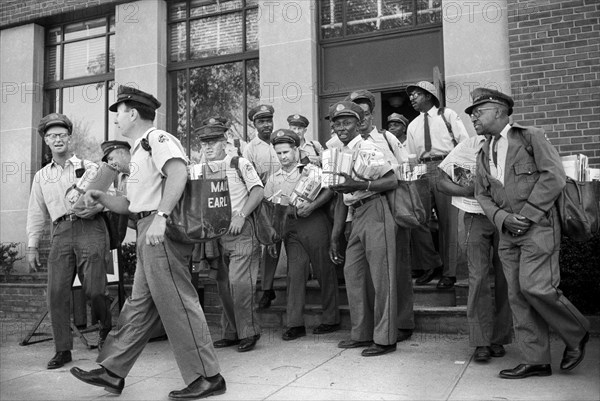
(395, 153)
(239, 248)
(397, 125)
(79, 240)
(310, 151)
(162, 288)
(264, 159)
(306, 236)
(431, 136)
(370, 268)
(519, 178)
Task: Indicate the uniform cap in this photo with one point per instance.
(262, 110)
(398, 118)
(362, 94)
(109, 146)
(346, 109)
(285, 136)
(212, 128)
(297, 119)
(54, 119)
(427, 87)
(484, 95)
(129, 94)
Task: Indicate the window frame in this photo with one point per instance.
(173, 67)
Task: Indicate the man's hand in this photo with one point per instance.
(517, 224)
(156, 232)
(33, 259)
(334, 252)
(90, 211)
(272, 250)
(349, 185)
(236, 225)
(92, 198)
(305, 209)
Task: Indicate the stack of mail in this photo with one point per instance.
(308, 187)
(335, 162)
(369, 164)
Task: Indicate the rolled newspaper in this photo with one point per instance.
(95, 177)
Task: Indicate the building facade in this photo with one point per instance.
(206, 57)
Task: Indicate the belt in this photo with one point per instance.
(141, 215)
(364, 201)
(433, 158)
(68, 217)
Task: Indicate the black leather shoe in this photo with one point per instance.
(482, 354)
(248, 343)
(294, 332)
(497, 350)
(266, 299)
(429, 275)
(522, 371)
(226, 342)
(417, 273)
(101, 378)
(202, 387)
(573, 357)
(376, 349)
(59, 359)
(354, 344)
(404, 334)
(446, 283)
(326, 328)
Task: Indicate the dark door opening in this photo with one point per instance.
(396, 102)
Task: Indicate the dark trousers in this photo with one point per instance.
(77, 247)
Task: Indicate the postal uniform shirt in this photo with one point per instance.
(263, 157)
(284, 181)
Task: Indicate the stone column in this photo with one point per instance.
(21, 76)
(288, 60)
(475, 51)
(141, 50)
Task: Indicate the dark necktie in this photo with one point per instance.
(495, 150)
(427, 134)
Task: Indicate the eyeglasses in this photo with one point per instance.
(477, 112)
(54, 137)
(414, 95)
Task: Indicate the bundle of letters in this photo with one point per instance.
(368, 164)
(576, 167)
(335, 162)
(308, 187)
(409, 172)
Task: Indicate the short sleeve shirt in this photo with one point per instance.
(263, 157)
(283, 181)
(144, 184)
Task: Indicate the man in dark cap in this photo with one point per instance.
(117, 154)
(162, 289)
(519, 177)
(264, 159)
(79, 239)
(370, 267)
(239, 248)
(306, 238)
(397, 125)
(431, 136)
(310, 151)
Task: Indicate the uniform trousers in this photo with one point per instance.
(162, 291)
(530, 263)
(423, 255)
(370, 272)
(490, 320)
(269, 267)
(77, 247)
(307, 242)
(404, 284)
(236, 283)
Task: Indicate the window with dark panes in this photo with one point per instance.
(349, 18)
(79, 80)
(213, 65)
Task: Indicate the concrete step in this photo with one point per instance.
(429, 319)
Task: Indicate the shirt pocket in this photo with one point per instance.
(526, 172)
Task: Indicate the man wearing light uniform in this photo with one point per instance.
(310, 151)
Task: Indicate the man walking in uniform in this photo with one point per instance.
(79, 240)
(431, 136)
(310, 151)
(162, 288)
(262, 156)
(370, 268)
(239, 248)
(306, 238)
(519, 177)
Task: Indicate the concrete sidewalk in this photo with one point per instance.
(427, 367)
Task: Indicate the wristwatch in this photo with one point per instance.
(162, 214)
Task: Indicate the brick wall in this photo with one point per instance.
(22, 301)
(555, 71)
(13, 12)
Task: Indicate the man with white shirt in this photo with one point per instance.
(519, 177)
(431, 136)
(370, 268)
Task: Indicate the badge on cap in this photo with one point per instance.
(297, 116)
(280, 133)
(340, 107)
(353, 95)
(264, 108)
(212, 121)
